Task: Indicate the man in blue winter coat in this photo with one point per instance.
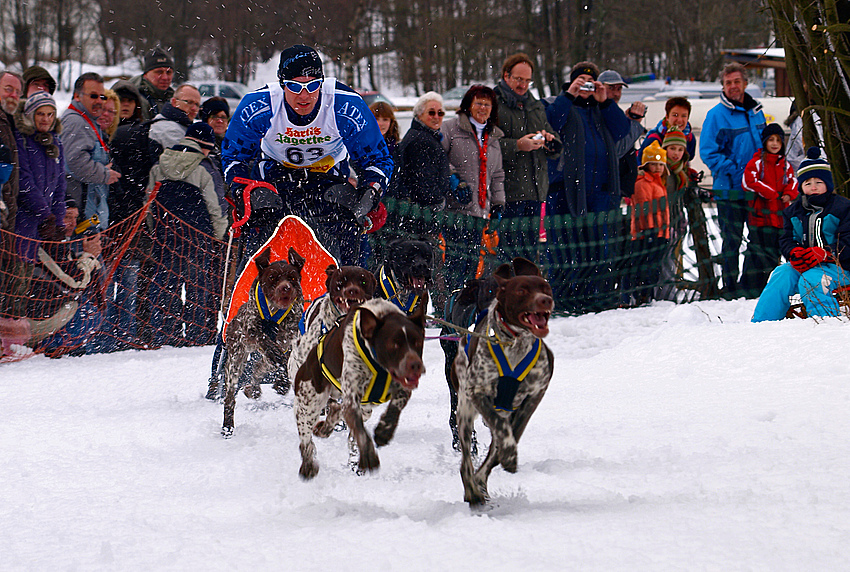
(731, 134)
(299, 135)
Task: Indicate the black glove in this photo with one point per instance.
(496, 216)
(370, 196)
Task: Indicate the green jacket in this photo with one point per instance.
(526, 173)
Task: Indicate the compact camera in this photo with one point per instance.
(588, 86)
(538, 137)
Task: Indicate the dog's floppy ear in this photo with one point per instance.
(330, 272)
(263, 260)
(469, 293)
(368, 323)
(525, 267)
(418, 315)
(296, 259)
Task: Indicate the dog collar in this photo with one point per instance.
(504, 324)
(314, 305)
(391, 293)
(263, 307)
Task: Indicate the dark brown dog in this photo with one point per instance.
(267, 323)
(347, 287)
(376, 336)
(406, 273)
(504, 377)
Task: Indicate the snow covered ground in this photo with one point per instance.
(671, 438)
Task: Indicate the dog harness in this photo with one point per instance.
(270, 320)
(391, 293)
(509, 376)
(378, 390)
(313, 307)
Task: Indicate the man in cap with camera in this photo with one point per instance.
(299, 134)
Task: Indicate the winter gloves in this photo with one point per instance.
(460, 190)
(803, 259)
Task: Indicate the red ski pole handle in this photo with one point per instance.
(246, 197)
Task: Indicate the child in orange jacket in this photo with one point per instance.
(650, 219)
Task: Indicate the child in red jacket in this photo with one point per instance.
(771, 178)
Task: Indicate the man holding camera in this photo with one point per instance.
(299, 134)
(587, 177)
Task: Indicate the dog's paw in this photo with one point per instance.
(227, 432)
(212, 391)
(383, 434)
(369, 461)
(308, 470)
(323, 429)
(252, 391)
(508, 455)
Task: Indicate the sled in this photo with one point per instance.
(291, 232)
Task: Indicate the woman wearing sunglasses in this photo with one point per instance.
(301, 131)
(423, 170)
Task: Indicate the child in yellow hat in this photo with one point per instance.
(650, 219)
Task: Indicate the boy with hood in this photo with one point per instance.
(816, 242)
(770, 177)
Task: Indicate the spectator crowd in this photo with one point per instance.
(508, 175)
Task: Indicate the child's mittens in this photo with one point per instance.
(797, 259)
(816, 255)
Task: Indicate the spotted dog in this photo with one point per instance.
(267, 323)
(373, 356)
(405, 273)
(347, 287)
(504, 377)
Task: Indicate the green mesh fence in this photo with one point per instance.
(596, 262)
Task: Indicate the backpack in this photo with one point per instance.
(133, 153)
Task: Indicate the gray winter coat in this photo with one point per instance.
(185, 165)
(461, 145)
(526, 173)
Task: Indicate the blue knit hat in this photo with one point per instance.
(815, 167)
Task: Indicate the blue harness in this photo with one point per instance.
(390, 292)
(270, 321)
(510, 376)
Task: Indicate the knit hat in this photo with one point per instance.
(212, 106)
(814, 167)
(36, 100)
(203, 134)
(773, 129)
(674, 137)
(584, 68)
(654, 154)
(612, 78)
(157, 59)
(37, 72)
(299, 61)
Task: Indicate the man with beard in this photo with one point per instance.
(10, 94)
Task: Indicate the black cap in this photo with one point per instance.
(157, 59)
(299, 61)
(203, 134)
(212, 106)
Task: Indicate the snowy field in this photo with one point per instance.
(671, 438)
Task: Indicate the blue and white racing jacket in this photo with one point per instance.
(341, 127)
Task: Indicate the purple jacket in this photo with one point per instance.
(42, 186)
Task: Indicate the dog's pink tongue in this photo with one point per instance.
(540, 322)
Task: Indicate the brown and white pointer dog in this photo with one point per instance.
(373, 356)
(347, 287)
(504, 378)
(267, 323)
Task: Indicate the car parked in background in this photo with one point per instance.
(371, 97)
(230, 90)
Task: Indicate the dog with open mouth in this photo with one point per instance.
(267, 323)
(371, 357)
(406, 273)
(347, 287)
(504, 374)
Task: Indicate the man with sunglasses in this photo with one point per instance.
(86, 153)
(299, 134)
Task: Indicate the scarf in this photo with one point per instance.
(482, 161)
(679, 171)
(46, 141)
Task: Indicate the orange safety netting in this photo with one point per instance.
(149, 281)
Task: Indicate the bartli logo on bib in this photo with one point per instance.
(310, 136)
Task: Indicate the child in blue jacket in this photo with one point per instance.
(815, 241)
